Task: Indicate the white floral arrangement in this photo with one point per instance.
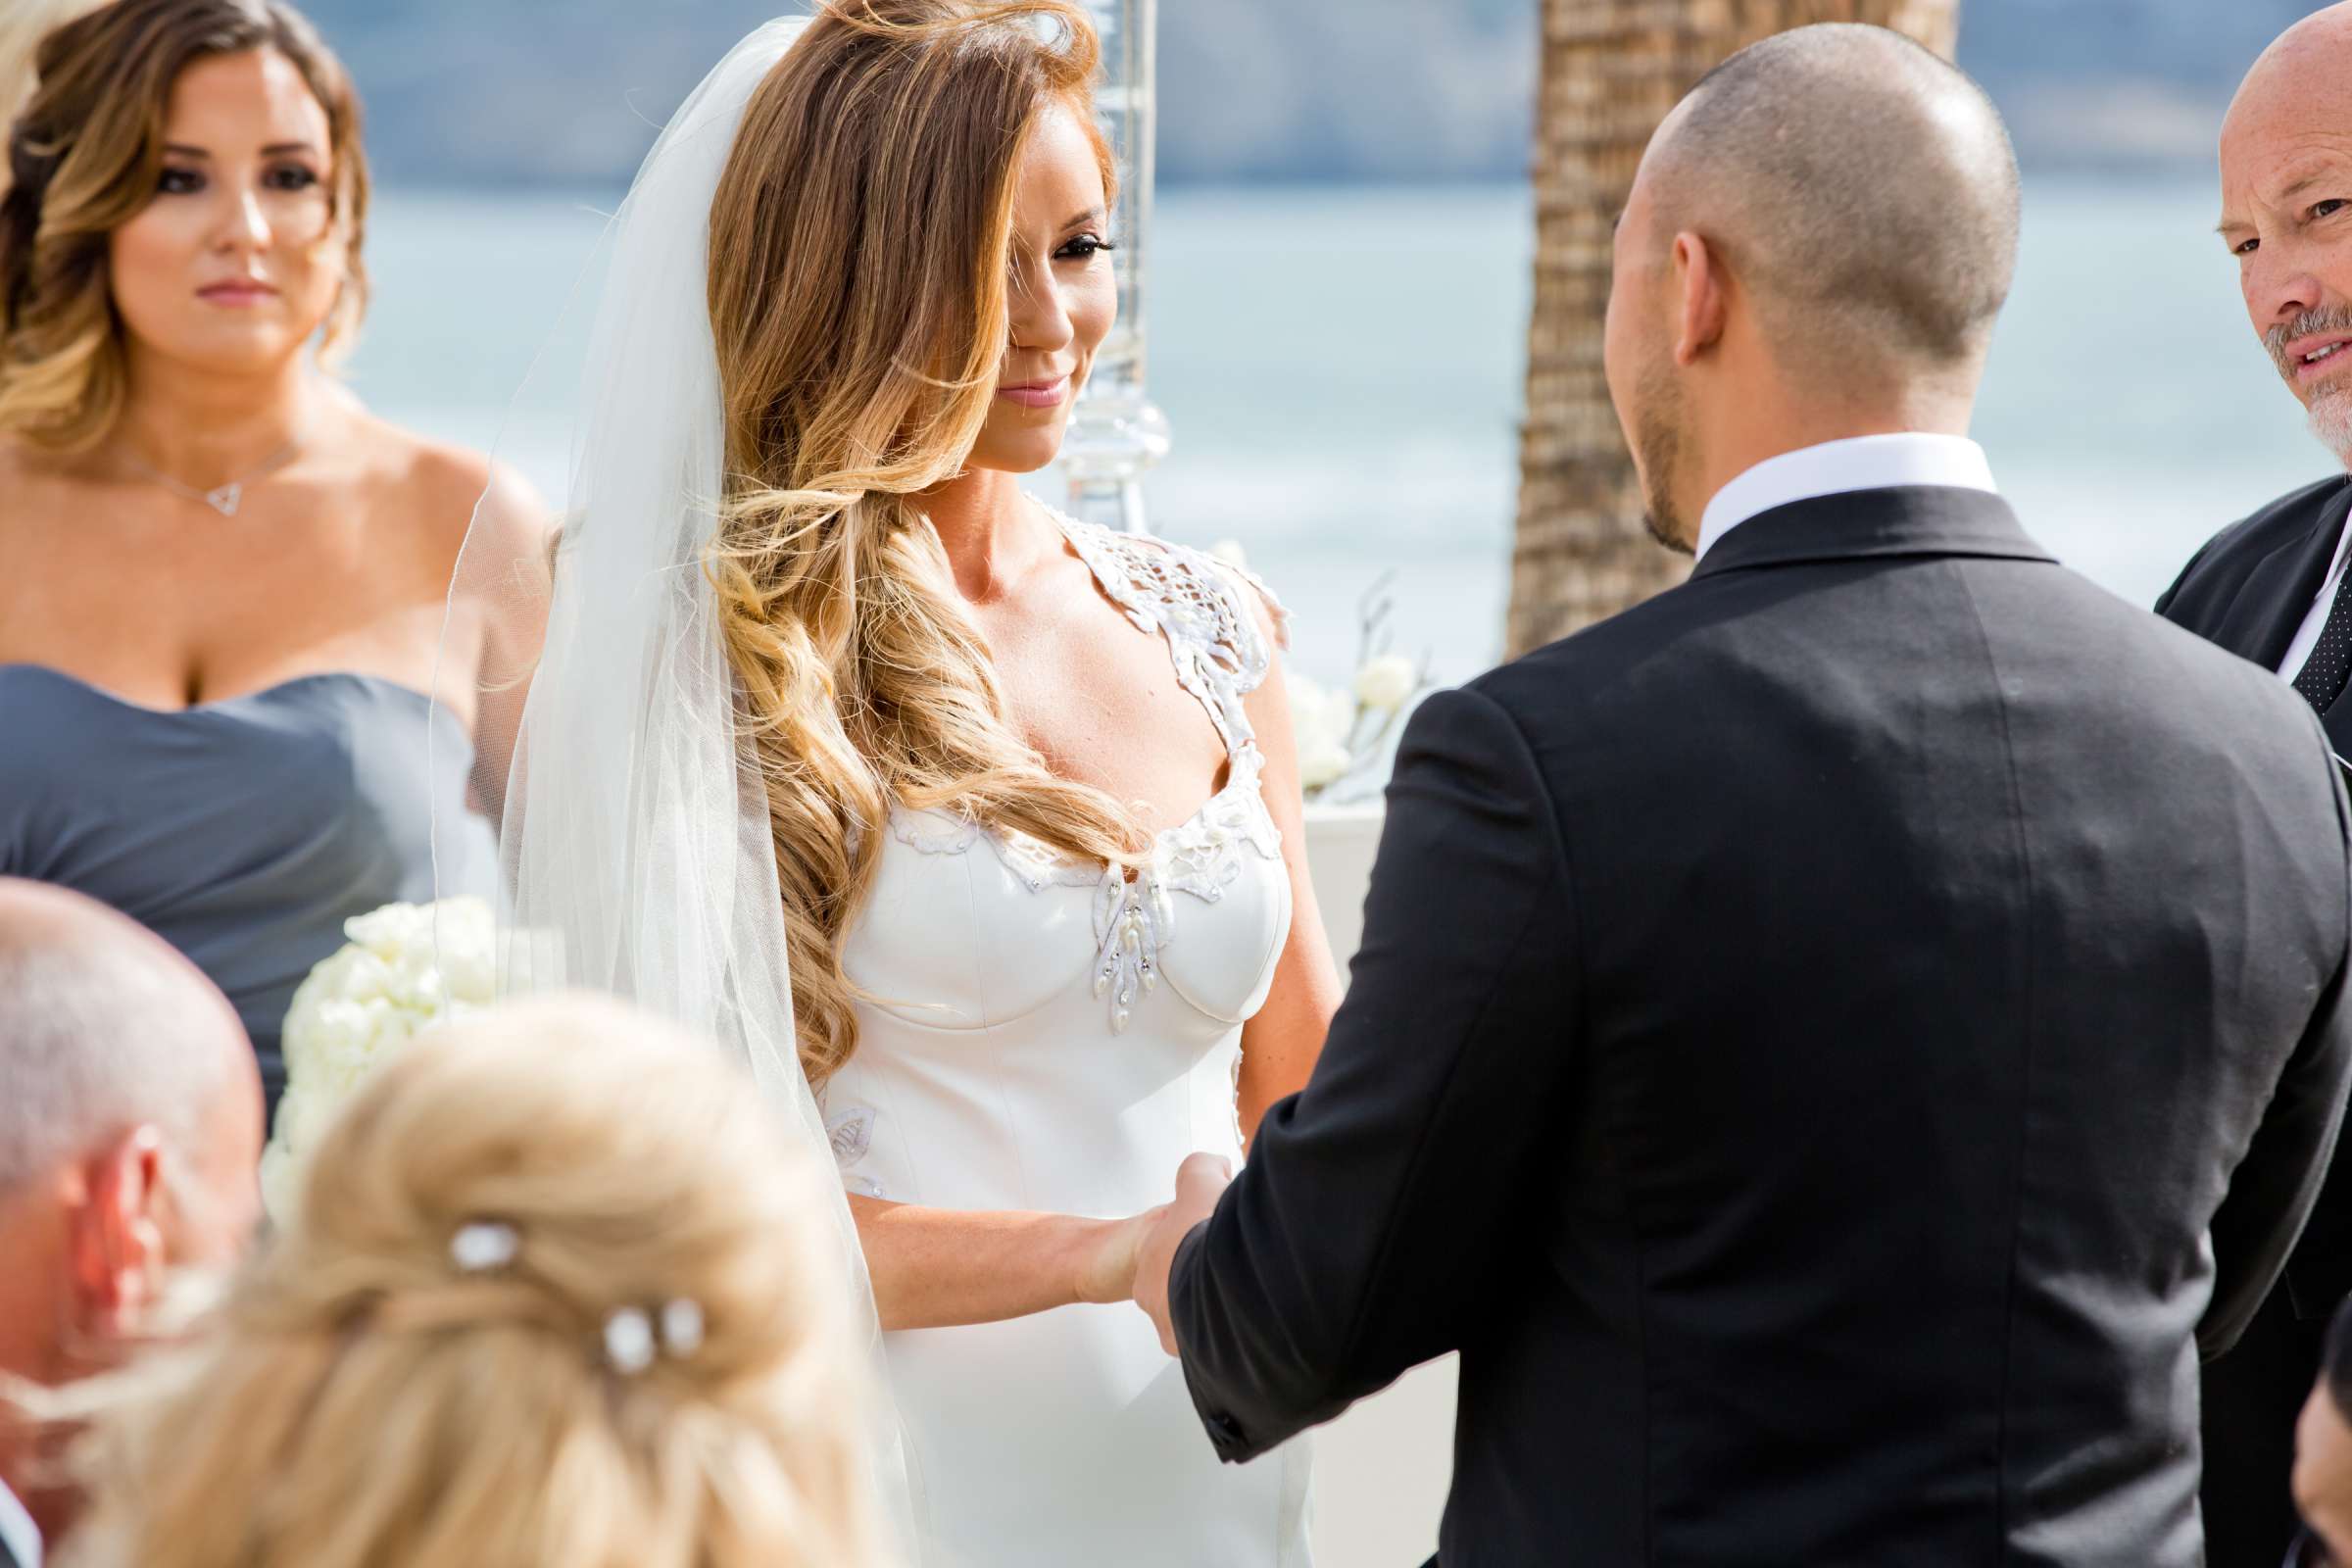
(1342, 731)
(405, 967)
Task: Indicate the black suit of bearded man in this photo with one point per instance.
(2251, 590)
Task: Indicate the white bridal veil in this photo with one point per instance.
(634, 828)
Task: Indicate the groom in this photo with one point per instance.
(1832, 1043)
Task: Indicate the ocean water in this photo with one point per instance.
(1343, 369)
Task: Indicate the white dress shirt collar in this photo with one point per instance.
(2315, 619)
(17, 1529)
(1835, 467)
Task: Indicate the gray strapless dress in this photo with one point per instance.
(244, 832)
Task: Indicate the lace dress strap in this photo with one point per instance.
(1196, 602)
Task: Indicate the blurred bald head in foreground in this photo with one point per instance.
(130, 1127)
(1816, 247)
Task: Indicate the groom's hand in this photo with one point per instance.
(1199, 1181)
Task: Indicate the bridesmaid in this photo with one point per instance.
(222, 579)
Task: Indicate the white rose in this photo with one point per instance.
(403, 968)
(469, 965)
(281, 1182)
(1230, 552)
(1340, 714)
(1311, 710)
(1321, 721)
(1386, 683)
(1322, 766)
(303, 1115)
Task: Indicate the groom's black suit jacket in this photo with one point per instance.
(1829, 1047)
(2249, 590)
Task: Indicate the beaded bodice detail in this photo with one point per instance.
(1221, 655)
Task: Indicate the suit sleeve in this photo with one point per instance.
(2164, 600)
(1378, 1202)
(2286, 1179)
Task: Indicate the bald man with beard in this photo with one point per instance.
(2270, 588)
(1832, 1043)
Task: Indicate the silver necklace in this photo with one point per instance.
(223, 499)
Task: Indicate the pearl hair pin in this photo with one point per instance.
(484, 1246)
(633, 1338)
(629, 1347)
(682, 1327)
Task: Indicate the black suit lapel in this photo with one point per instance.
(2337, 722)
(2267, 611)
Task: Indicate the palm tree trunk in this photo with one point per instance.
(1612, 69)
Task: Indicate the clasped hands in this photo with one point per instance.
(1131, 1259)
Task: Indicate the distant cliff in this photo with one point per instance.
(569, 91)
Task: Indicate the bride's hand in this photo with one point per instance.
(1200, 1182)
(1107, 1261)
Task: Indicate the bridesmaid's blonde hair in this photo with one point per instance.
(365, 1399)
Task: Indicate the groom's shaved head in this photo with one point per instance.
(1859, 187)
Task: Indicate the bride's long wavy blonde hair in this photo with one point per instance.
(859, 249)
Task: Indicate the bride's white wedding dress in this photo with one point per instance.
(1055, 1037)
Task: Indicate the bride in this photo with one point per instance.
(979, 822)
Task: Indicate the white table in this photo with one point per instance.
(1382, 1469)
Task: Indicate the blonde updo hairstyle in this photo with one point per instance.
(859, 249)
(362, 1398)
(84, 157)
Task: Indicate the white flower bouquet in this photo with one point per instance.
(405, 967)
(1341, 732)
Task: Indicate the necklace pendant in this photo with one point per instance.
(225, 500)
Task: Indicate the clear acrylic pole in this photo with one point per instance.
(1115, 432)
